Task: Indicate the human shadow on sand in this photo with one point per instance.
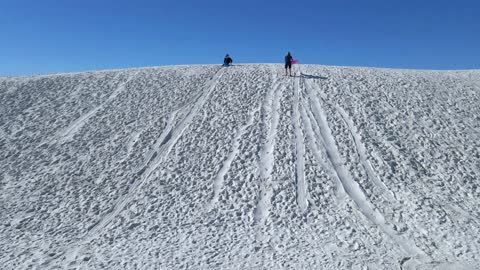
(308, 76)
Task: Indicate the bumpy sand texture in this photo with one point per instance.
(202, 167)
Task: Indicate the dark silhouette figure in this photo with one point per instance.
(227, 61)
(288, 63)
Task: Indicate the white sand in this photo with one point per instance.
(202, 167)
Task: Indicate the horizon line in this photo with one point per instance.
(238, 64)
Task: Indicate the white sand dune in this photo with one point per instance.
(203, 167)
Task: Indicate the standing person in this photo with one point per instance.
(288, 63)
(227, 61)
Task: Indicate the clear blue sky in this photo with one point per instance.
(49, 36)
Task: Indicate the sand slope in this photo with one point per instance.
(202, 167)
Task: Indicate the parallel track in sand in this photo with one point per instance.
(166, 141)
(241, 168)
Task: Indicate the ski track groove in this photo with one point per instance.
(133, 141)
(219, 178)
(266, 163)
(164, 136)
(301, 185)
(359, 147)
(74, 127)
(314, 141)
(351, 187)
(361, 151)
(163, 153)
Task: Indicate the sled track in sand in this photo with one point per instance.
(361, 151)
(68, 133)
(359, 146)
(219, 178)
(351, 187)
(270, 109)
(301, 185)
(315, 140)
(170, 137)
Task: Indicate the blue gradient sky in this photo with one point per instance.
(49, 36)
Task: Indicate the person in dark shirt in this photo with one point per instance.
(227, 61)
(288, 63)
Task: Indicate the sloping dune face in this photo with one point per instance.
(202, 167)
